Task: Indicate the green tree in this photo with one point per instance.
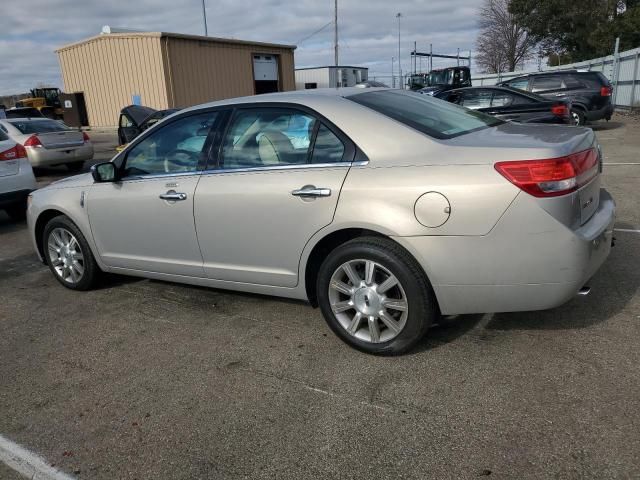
(579, 30)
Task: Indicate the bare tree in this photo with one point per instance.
(503, 43)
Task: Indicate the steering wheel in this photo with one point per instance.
(180, 161)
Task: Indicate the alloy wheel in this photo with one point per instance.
(368, 301)
(66, 255)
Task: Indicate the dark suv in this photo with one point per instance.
(588, 92)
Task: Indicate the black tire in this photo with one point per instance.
(74, 166)
(578, 117)
(17, 212)
(422, 305)
(91, 271)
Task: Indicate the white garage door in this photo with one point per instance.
(265, 67)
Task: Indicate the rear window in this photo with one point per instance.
(436, 118)
(39, 126)
(3, 136)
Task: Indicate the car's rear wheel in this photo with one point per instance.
(68, 254)
(375, 296)
(577, 117)
(74, 166)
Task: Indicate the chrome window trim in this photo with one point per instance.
(151, 176)
(284, 167)
(247, 169)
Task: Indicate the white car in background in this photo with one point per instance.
(49, 142)
(16, 177)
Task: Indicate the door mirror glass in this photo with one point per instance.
(104, 172)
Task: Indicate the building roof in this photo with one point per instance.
(333, 66)
(199, 38)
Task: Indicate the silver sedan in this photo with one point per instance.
(384, 208)
(49, 142)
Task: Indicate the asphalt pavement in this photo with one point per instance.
(143, 379)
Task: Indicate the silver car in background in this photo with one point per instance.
(16, 178)
(384, 208)
(49, 142)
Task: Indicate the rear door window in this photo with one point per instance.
(546, 83)
(475, 99)
(520, 83)
(265, 137)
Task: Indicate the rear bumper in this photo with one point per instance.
(40, 156)
(604, 112)
(529, 261)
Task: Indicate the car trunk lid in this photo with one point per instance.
(61, 140)
(559, 167)
(10, 155)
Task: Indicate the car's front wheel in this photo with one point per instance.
(68, 254)
(375, 296)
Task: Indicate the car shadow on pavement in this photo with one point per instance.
(603, 126)
(613, 287)
(446, 330)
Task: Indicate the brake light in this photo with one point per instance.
(606, 91)
(13, 153)
(33, 141)
(85, 137)
(560, 110)
(554, 176)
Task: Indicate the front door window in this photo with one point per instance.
(175, 148)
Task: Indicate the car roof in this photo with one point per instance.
(295, 96)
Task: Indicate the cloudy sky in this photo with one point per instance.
(30, 30)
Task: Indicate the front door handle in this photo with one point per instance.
(309, 191)
(173, 196)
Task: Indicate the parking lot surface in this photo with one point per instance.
(142, 379)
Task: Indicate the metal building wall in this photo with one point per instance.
(110, 69)
(204, 70)
(319, 76)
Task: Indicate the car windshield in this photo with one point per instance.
(39, 126)
(442, 77)
(434, 117)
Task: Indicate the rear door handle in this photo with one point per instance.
(173, 196)
(311, 191)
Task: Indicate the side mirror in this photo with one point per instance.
(103, 172)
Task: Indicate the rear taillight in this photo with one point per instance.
(560, 110)
(554, 176)
(85, 137)
(606, 91)
(13, 153)
(33, 141)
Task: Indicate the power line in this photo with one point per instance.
(304, 39)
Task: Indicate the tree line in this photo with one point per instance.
(563, 31)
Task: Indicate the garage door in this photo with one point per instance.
(265, 67)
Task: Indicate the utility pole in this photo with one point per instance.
(335, 33)
(393, 76)
(399, 55)
(204, 18)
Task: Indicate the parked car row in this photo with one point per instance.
(569, 96)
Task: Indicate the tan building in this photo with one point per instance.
(170, 70)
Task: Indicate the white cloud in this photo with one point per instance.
(368, 29)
